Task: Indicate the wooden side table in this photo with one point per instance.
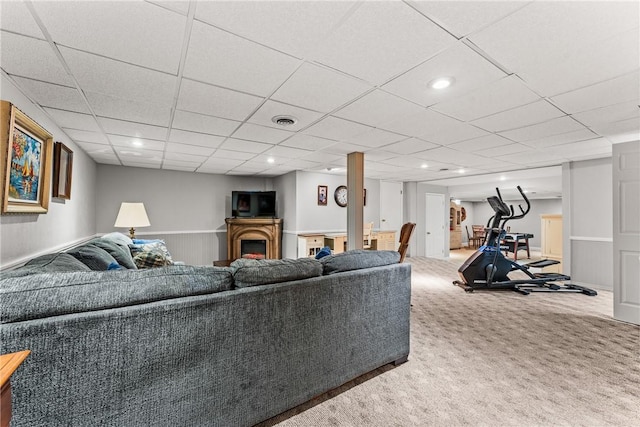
(8, 364)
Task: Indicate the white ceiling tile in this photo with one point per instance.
(501, 95)
(461, 132)
(53, 95)
(85, 136)
(480, 144)
(592, 63)
(134, 31)
(139, 155)
(335, 128)
(282, 152)
(195, 138)
(536, 112)
(174, 147)
(94, 149)
(409, 146)
(242, 145)
(319, 88)
(186, 120)
(73, 120)
(594, 146)
(325, 157)
(344, 148)
(614, 91)
(504, 150)
(274, 23)
(379, 155)
(542, 130)
(469, 70)
(622, 131)
(179, 166)
(136, 144)
(16, 18)
(197, 98)
(125, 109)
(532, 158)
(464, 17)
(16, 62)
(403, 162)
(253, 132)
(380, 40)
(235, 155)
(307, 142)
(140, 130)
(553, 31)
(578, 135)
(115, 78)
(194, 159)
(243, 65)
(226, 162)
(378, 107)
(270, 109)
(609, 114)
(375, 138)
(141, 163)
(178, 6)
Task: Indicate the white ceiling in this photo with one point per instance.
(196, 83)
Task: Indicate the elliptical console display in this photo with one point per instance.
(488, 269)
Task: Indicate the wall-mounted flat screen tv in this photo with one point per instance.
(252, 204)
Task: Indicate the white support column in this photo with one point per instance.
(355, 197)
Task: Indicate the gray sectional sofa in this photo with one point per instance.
(197, 346)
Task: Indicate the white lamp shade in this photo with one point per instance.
(132, 215)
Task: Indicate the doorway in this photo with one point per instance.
(434, 225)
(391, 203)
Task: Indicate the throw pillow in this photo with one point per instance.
(253, 272)
(120, 253)
(92, 256)
(358, 259)
(151, 254)
(119, 238)
(326, 251)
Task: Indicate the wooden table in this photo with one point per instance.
(8, 364)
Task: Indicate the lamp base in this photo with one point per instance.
(132, 233)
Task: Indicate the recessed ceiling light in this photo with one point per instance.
(136, 143)
(270, 160)
(460, 170)
(424, 166)
(284, 120)
(441, 82)
(502, 178)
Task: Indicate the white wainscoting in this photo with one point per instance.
(592, 261)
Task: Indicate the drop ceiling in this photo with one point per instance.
(194, 85)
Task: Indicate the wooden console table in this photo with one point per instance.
(380, 240)
(8, 364)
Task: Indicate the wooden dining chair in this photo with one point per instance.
(478, 233)
(405, 234)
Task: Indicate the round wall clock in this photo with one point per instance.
(340, 195)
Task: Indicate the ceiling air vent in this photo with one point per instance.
(284, 120)
(443, 170)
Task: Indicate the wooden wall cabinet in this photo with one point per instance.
(455, 229)
(551, 240)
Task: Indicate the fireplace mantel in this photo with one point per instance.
(268, 229)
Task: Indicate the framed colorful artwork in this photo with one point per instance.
(26, 150)
(62, 171)
(322, 195)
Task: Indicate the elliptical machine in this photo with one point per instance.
(488, 269)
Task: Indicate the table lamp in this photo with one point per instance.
(132, 215)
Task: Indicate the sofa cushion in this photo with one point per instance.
(92, 256)
(56, 262)
(118, 238)
(51, 294)
(252, 272)
(150, 253)
(357, 259)
(121, 253)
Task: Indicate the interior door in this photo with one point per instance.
(434, 218)
(626, 232)
(391, 202)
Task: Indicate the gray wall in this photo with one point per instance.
(588, 222)
(68, 221)
(183, 207)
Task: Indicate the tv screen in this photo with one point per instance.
(251, 204)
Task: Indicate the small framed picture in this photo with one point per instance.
(62, 169)
(322, 195)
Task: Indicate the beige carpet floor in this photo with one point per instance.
(494, 359)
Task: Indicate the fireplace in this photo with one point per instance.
(254, 237)
(254, 249)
